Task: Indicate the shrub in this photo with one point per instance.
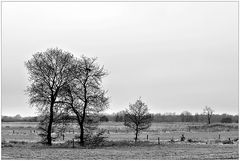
(5, 144)
(226, 120)
(98, 139)
(190, 140)
(236, 139)
(94, 140)
(13, 142)
(104, 119)
(43, 132)
(227, 142)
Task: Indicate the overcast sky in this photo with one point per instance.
(175, 56)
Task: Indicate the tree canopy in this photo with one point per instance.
(137, 117)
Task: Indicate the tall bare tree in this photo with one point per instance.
(84, 95)
(49, 72)
(137, 117)
(208, 112)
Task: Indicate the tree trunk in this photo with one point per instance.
(209, 119)
(49, 131)
(81, 134)
(81, 125)
(136, 135)
(78, 119)
(84, 114)
(81, 129)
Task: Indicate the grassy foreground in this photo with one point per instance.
(19, 141)
(151, 151)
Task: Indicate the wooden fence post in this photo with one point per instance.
(147, 137)
(219, 136)
(73, 143)
(158, 141)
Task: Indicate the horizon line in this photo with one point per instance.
(113, 113)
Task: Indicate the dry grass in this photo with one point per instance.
(167, 151)
(117, 132)
(119, 145)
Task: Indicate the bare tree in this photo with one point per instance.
(209, 112)
(137, 117)
(49, 72)
(84, 95)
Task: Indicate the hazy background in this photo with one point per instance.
(176, 56)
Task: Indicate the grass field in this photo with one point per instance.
(116, 132)
(168, 151)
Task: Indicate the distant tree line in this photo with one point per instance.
(18, 118)
(167, 117)
(172, 117)
(188, 117)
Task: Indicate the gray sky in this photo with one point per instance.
(176, 56)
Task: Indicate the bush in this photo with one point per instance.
(226, 120)
(94, 140)
(104, 119)
(98, 139)
(227, 142)
(43, 133)
(190, 140)
(13, 142)
(6, 144)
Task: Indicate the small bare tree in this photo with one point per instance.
(137, 117)
(208, 112)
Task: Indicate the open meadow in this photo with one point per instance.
(161, 141)
(120, 80)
